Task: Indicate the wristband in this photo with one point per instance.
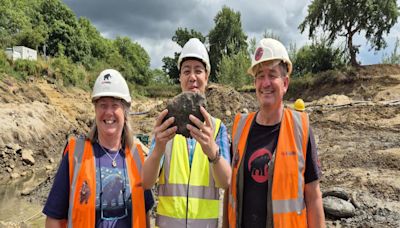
(217, 157)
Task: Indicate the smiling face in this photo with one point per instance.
(109, 117)
(193, 76)
(271, 84)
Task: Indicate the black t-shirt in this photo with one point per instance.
(261, 144)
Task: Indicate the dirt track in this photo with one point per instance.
(358, 143)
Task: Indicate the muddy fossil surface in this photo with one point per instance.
(183, 105)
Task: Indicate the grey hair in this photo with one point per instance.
(127, 132)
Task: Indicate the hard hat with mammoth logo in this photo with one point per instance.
(110, 83)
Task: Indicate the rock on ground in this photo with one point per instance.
(338, 208)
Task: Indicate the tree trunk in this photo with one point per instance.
(352, 50)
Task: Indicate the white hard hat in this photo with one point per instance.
(269, 49)
(110, 83)
(195, 48)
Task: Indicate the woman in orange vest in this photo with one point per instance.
(275, 169)
(98, 183)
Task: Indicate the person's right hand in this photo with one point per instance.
(163, 132)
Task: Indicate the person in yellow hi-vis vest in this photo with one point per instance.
(192, 169)
(275, 168)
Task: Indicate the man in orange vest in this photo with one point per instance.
(275, 168)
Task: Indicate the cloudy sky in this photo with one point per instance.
(152, 23)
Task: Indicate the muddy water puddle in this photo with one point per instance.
(16, 210)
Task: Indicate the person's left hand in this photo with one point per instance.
(204, 133)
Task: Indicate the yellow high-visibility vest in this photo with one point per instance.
(187, 196)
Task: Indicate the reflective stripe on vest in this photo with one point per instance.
(192, 223)
(82, 175)
(188, 196)
(288, 172)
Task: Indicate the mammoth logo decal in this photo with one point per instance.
(258, 165)
(107, 77)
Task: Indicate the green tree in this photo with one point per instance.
(270, 34)
(13, 21)
(100, 47)
(71, 38)
(160, 78)
(170, 67)
(317, 57)
(29, 37)
(252, 45)
(232, 69)
(227, 30)
(64, 30)
(35, 33)
(182, 35)
(136, 61)
(348, 17)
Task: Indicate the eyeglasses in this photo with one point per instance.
(103, 217)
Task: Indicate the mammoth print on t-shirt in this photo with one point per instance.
(258, 165)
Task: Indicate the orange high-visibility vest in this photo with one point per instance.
(82, 171)
(285, 199)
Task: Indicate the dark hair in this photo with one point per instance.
(191, 58)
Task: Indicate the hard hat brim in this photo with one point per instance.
(251, 68)
(113, 95)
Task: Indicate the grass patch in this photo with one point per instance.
(5, 67)
(162, 90)
(298, 85)
(247, 88)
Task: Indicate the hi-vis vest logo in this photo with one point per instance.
(289, 153)
(84, 193)
(258, 165)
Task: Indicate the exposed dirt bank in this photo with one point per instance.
(357, 135)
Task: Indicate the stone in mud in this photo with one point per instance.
(337, 208)
(337, 192)
(181, 106)
(27, 156)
